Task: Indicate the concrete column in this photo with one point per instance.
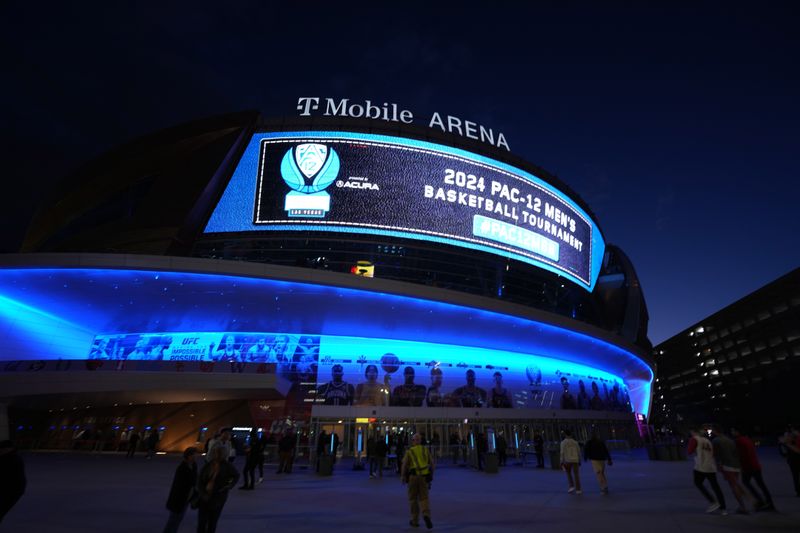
(5, 430)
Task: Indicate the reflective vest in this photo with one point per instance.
(420, 460)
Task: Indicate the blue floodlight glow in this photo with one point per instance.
(64, 309)
(242, 198)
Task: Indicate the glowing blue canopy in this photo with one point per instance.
(52, 306)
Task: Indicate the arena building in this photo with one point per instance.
(356, 276)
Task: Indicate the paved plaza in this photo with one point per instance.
(79, 492)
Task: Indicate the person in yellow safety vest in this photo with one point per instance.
(417, 471)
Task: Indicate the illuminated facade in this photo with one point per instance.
(210, 263)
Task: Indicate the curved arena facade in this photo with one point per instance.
(353, 276)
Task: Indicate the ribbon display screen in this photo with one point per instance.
(378, 372)
(391, 186)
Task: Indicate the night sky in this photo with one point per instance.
(677, 125)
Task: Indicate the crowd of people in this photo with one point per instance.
(204, 485)
(733, 454)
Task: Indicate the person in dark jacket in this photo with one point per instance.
(501, 446)
(13, 473)
(251, 462)
(182, 490)
(538, 447)
(133, 442)
(286, 452)
(213, 484)
(381, 449)
(596, 451)
(151, 443)
(751, 470)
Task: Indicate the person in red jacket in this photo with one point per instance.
(751, 470)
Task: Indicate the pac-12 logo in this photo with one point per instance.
(308, 169)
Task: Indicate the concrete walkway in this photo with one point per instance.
(108, 493)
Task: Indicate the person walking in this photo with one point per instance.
(597, 453)
(455, 446)
(286, 452)
(215, 481)
(706, 469)
(223, 439)
(151, 443)
(417, 471)
(371, 455)
(481, 448)
(538, 448)
(133, 442)
(13, 482)
(262, 446)
(501, 447)
(751, 470)
(123, 440)
(571, 462)
(381, 449)
(182, 490)
(727, 457)
(250, 463)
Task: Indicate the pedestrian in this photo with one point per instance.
(182, 490)
(455, 446)
(706, 469)
(790, 448)
(13, 484)
(480, 446)
(538, 448)
(597, 452)
(223, 439)
(151, 443)
(262, 445)
(417, 471)
(727, 457)
(501, 446)
(133, 442)
(214, 482)
(252, 451)
(571, 462)
(123, 440)
(381, 449)
(751, 469)
(371, 455)
(286, 452)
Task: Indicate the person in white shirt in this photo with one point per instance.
(571, 462)
(705, 468)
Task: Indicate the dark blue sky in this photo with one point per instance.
(678, 125)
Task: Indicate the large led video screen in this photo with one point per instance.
(382, 185)
(383, 372)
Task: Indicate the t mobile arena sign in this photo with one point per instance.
(343, 107)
